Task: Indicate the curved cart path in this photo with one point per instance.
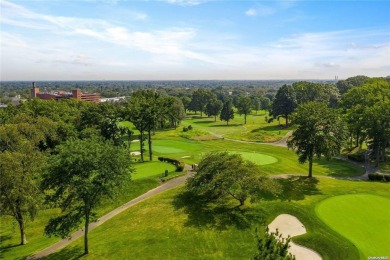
(64, 242)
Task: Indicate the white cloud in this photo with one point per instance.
(260, 10)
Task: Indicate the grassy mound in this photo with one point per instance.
(362, 218)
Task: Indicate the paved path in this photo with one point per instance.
(64, 242)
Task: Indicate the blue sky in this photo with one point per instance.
(193, 39)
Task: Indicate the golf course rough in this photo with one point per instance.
(361, 218)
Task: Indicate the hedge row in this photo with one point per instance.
(179, 164)
(378, 177)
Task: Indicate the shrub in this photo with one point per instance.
(378, 177)
(190, 127)
(166, 173)
(185, 129)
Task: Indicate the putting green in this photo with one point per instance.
(258, 158)
(361, 218)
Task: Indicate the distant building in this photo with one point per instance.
(76, 94)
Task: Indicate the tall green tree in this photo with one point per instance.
(320, 131)
(81, 174)
(284, 103)
(221, 176)
(256, 104)
(227, 112)
(199, 100)
(21, 166)
(213, 108)
(244, 106)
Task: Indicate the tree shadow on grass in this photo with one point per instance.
(297, 187)
(203, 213)
(7, 247)
(67, 253)
(340, 169)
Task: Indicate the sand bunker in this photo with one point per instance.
(187, 156)
(289, 225)
(135, 153)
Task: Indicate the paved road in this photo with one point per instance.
(64, 242)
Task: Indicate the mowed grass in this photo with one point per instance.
(361, 218)
(9, 229)
(258, 158)
(256, 129)
(191, 151)
(167, 226)
(151, 169)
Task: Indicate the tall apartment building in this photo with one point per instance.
(76, 94)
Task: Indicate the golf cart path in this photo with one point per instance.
(80, 233)
(288, 225)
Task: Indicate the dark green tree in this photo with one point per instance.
(227, 112)
(221, 175)
(256, 104)
(21, 166)
(213, 108)
(81, 174)
(284, 103)
(320, 131)
(199, 100)
(186, 102)
(271, 245)
(244, 106)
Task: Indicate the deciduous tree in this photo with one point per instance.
(227, 112)
(81, 174)
(244, 106)
(221, 175)
(284, 103)
(320, 131)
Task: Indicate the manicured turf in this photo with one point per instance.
(362, 218)
(169, 226)
(258, 158)
(151, 169)
(9, 231)
(256, 129)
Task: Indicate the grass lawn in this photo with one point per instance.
(152, 169)
(258, 158)
(361, 218)
(287, 161)
(256, 129)
(9, 229)
(129, 125)
(168, 226)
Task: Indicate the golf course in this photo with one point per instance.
(345, 217)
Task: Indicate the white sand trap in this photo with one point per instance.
(134, 141)
(289, 225)
(187, 156)
(135, 153)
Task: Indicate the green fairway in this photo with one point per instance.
(174, 228)
(258, 158)
(184, 147)
(362, 218)
(151, 169)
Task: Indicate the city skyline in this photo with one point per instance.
(193, 40)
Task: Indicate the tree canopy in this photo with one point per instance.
(227, 112)
(221, 175)
(80, 175)
(320, 131)
(284, 103)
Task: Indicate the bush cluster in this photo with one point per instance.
(378, 177)
(179, 164)
(188, 128)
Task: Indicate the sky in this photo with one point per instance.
(193, 39)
